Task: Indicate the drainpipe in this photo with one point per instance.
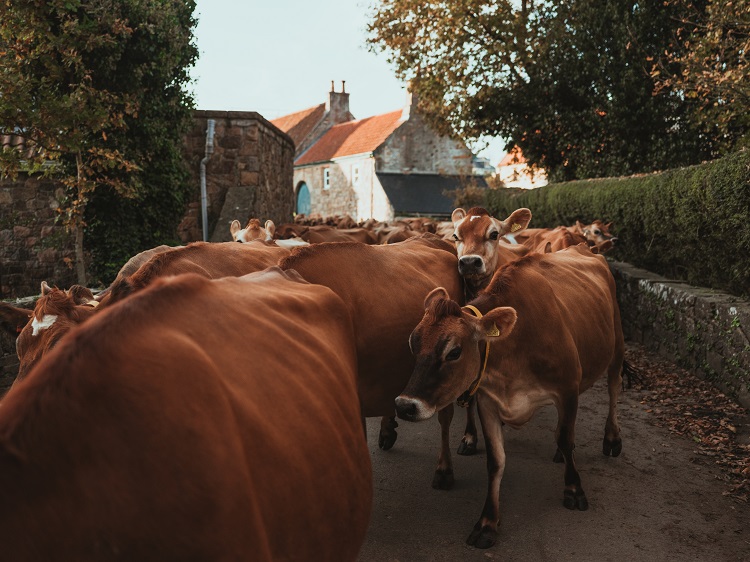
(204, 195)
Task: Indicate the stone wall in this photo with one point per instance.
(704, 331)
(249, 174)
(33, 248)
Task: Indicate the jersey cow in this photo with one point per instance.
(383, 288)
(197, 420)
(480, 248)
(57, 311)
(545, 329)
(254, 231)
(54, 314)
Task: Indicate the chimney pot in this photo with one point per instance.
(343, 86)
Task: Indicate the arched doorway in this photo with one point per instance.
(303, 199)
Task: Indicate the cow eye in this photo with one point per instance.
(455, 237)
(494, 234)
(453, 354)
(597, 232)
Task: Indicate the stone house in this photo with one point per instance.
(379, 167)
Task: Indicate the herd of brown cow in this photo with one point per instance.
(196, 407)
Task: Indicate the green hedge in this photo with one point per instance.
(691, 224)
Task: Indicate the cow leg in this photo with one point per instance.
(612, 445)
(573, 496)
(388, 434)
(468, 445)
(484, 534)
(443, 479)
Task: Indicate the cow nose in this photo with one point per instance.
(469, 264)
(406, 408)
(613, 240)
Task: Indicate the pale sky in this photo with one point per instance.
(279, 56)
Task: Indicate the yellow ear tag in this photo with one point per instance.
(493, 331)
(515, 227)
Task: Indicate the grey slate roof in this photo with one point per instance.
(424, 194)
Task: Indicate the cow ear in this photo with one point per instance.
(235, 227)
(270, 229)
(608, 226)
(498, 322)
(436, 294)
(517, 221)
(80, 294)
(457, 215)
(46, 289)
(548, 248)
(579, 227)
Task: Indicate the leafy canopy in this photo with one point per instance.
(96, 87)
(568, 82)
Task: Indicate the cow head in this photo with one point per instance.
(477, 237)
(597, 233)
(448, 353)
(55, 313)
(252, 231)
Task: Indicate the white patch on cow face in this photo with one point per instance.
(473, 217)
(37, 326)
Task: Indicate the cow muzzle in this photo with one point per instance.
(411, 409)
(471, 265)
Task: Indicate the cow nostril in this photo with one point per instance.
(471, 262)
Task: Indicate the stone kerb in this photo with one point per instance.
(701, 330)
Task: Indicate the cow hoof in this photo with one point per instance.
(467, 448)
(443, 480)
(575, 500)
(387, 439)
(482, 537)
(612, 447)
(558, 457)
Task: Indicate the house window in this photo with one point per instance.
(355, 175)
(326, 178)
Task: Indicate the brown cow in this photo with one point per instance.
(480, 250)
(64, 310)
(253, 231)
(198, 420)
(323, 233)
(482, 247)
(133, 265)
(596, 235)
(554, 327)
(383, 287)
(208, 259)
(54, 314)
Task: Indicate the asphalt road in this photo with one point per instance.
(658, 501)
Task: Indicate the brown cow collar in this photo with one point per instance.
(464, 399)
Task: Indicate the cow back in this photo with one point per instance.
(207, 259)
(567, 312)
(383, 288)
(196, 420)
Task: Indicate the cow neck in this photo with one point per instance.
(464, 399)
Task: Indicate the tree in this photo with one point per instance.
(568, 82)
(712, 67)
(96, 87)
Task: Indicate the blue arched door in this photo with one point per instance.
(303, 200)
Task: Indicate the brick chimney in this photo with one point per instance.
(411, 103)
(337, 105)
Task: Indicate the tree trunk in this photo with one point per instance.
(80, 261)
(78, 225)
